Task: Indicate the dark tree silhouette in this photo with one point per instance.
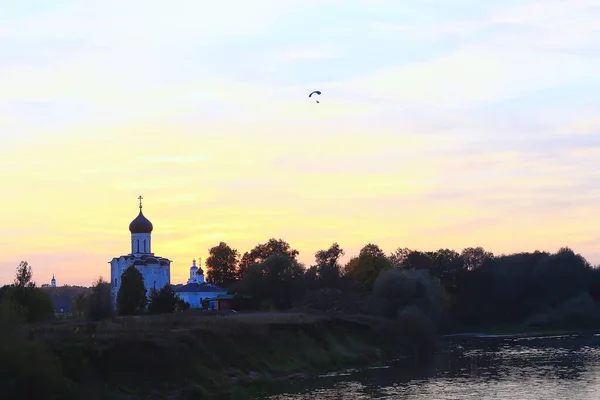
(97, 304)
(221, 264)
(398, 257)
(22, 301)
(165, 301)
(475, 257)
(131, 298)
(366, 267)
(261, 252)
(327, 267)
(24, 275)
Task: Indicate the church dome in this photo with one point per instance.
(140, 224)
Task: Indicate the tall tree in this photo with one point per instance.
(221, 264)
(277, 279)
(327, 267)
(419, 260)
(98, 303)
(261, 252)
(23, 301)
(475, 257)
(398, 257)
(131, 298)
(24, 275)
(366, 267)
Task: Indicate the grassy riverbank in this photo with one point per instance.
(193, 357)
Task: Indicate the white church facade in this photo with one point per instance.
(155, 270)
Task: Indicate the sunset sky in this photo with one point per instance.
(441, 124)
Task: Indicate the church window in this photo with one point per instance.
(145, 246)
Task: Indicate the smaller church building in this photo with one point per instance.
(196, 289)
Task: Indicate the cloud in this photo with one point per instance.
(474, 75)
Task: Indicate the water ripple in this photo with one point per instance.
(553, 367)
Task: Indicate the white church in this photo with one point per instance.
(197, 290)
(157, 270)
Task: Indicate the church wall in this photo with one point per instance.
(152, 273)
(155, 276)
(140, 243)
(195, 298)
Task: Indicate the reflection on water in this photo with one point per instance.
(557, 367)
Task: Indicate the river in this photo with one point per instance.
(537, 368)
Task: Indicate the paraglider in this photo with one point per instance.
(317, 92)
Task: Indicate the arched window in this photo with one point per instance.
(145, 246)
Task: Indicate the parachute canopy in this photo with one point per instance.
(316, 91)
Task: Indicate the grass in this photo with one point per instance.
(195, 356)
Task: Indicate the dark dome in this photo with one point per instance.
(140, 224)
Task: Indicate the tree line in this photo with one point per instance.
(442, 290)
(470, 289)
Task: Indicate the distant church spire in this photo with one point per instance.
(140, 199)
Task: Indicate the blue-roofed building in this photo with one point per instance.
(197, 290)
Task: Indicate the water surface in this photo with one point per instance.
(554, 367)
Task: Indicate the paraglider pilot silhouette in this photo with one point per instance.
(317, 92)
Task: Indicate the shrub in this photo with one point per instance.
(98, 302)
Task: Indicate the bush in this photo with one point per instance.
(28, 370)
(165, 300)
(394, 290)
(25, 304)
(580, 312)
(98, 301)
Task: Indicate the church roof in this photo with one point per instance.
(144, 259)
(200, 287)
(140, 224)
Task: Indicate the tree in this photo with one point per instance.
(327, 268)
(22, 301)
(371, 250)
(98, 303)
(475, 257)
(366, 267)
(276, 279)
(131, 298)
(398, 257)
(419, 260)
(164, 301)
(221, 264)
(24, 275)
(261, 252)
